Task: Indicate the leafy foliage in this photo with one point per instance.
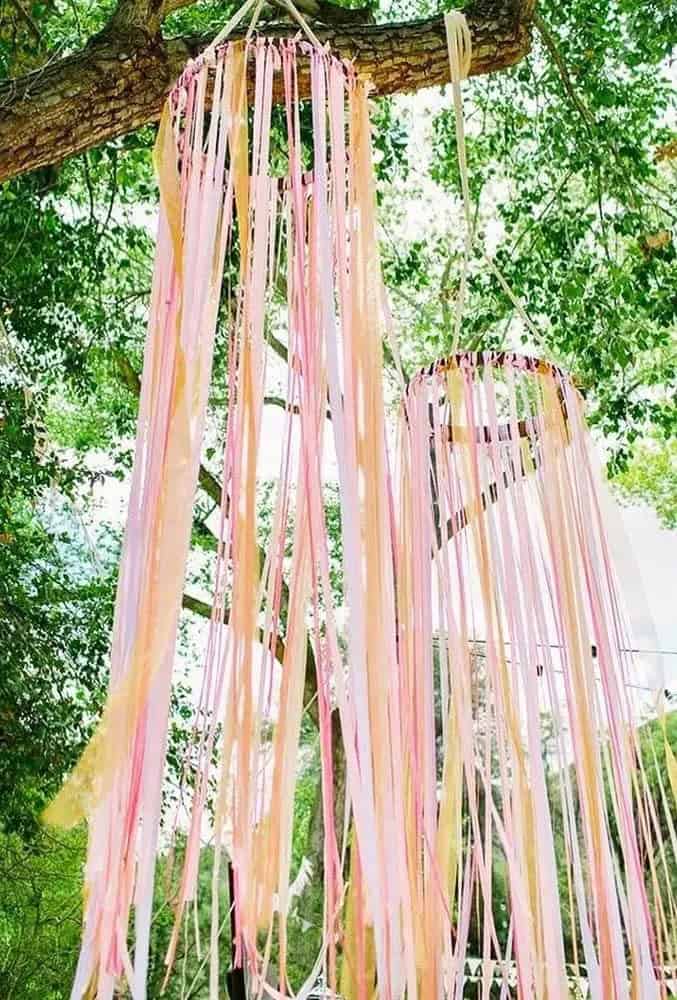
(574, 197)
(576, 210)
(651, 476)
(53, 645)
(40, 913)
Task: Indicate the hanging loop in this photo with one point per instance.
(256, 6)
(459, 47)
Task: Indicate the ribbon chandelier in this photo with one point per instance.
(477, 595)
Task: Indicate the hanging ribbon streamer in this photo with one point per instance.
(117, 783)
(496, 482)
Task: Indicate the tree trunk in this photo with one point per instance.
(315, 838)
(119, 81)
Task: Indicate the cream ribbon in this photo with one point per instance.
(459, 48)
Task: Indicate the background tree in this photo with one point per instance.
(572, 158)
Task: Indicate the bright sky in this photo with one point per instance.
(652, 584)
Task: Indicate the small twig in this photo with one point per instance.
(600, 212)
(552, 46)
(27, 19)
(540, 215)
(22, 240)
(113, 193)
(90, 191)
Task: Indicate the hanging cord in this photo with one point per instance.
(231, 25)
(254, 20)
(256, 6)
(459, 48)
(300, 20)
(459, 51)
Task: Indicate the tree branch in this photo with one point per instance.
(551, 44)
(210, 484)
(204, 610)
(206, 479)
(212, 487)
(119, 81)
(27, 19)
(276, 344)
(198, 606)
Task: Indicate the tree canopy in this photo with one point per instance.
(572, 145)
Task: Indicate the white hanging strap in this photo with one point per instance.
(254, 20)
(300, 20)
(459, 47)
(238, 16)
(257, 6)
(459, 50)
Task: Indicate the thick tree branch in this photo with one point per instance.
(119, 81)
(551, 44)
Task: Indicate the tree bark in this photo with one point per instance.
(119, 81)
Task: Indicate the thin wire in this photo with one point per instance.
(623, 649)
(558, 670)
